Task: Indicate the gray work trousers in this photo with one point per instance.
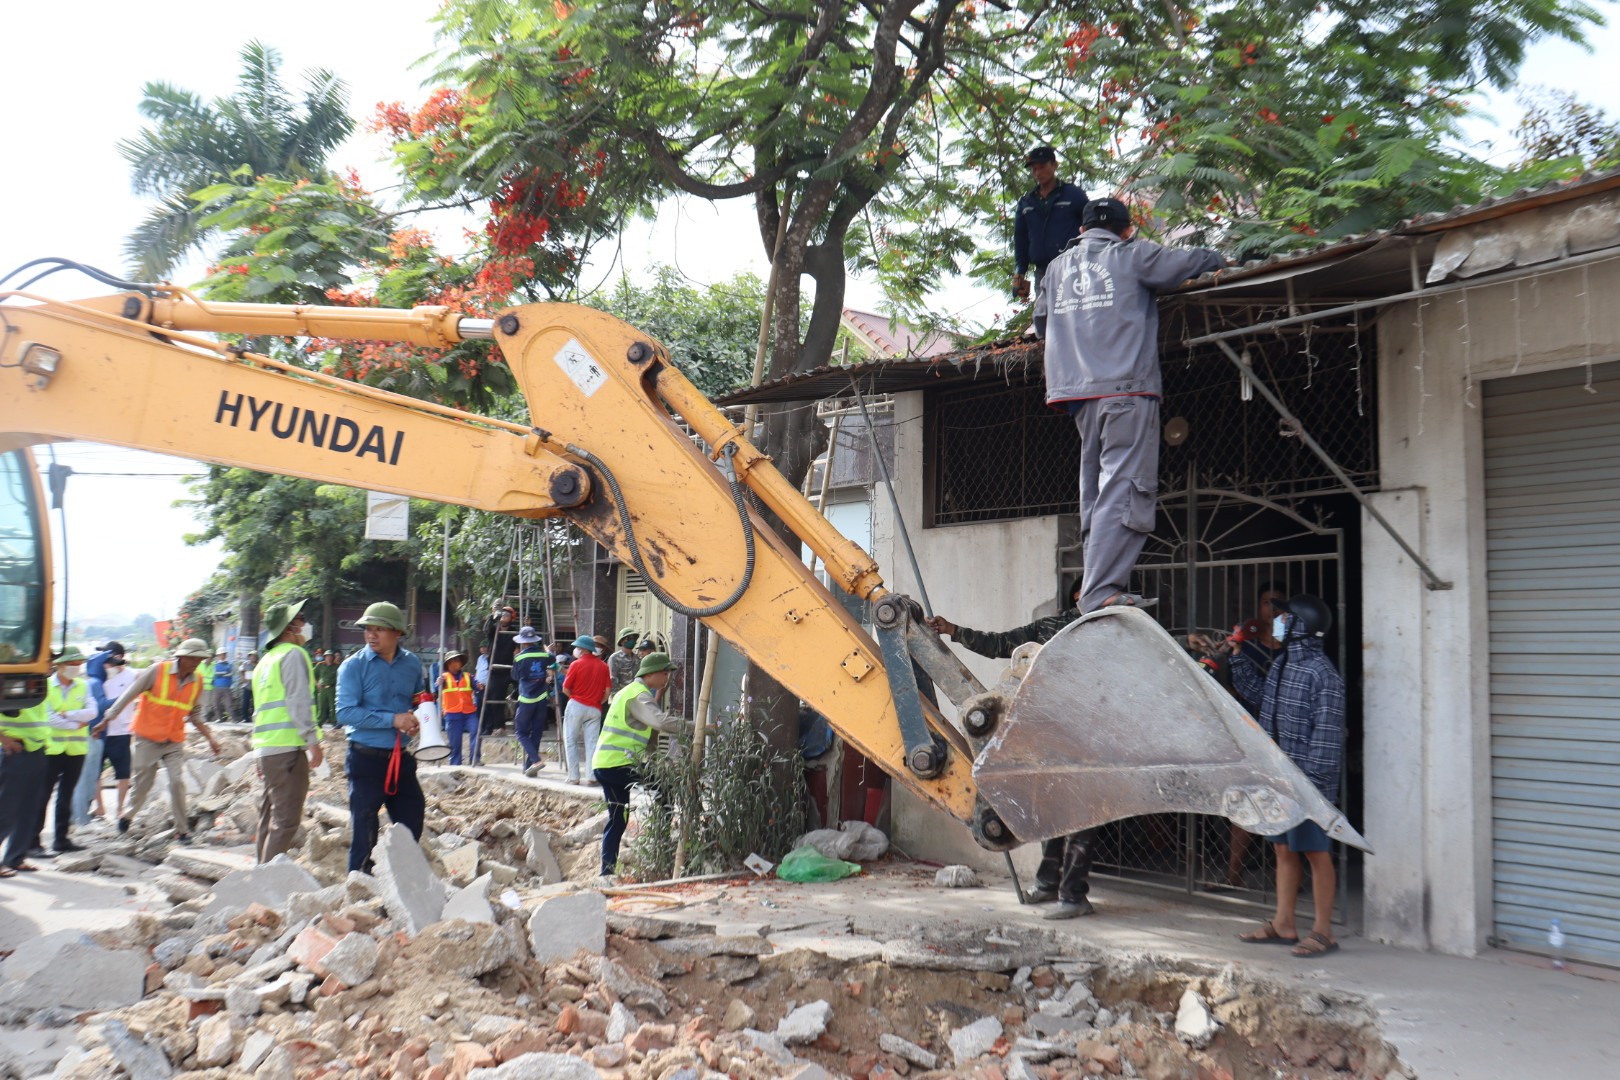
(147, 755)
(1119, 490)
(281, 807)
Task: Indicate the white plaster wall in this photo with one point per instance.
(991, 576)
(1432, 364)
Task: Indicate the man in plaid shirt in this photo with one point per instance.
(1301, 706)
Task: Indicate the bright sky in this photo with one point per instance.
(73, 78)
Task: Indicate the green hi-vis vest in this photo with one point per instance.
(273, 725)
(65, 700)
(622, 739)
(545, 666)
(28, 726)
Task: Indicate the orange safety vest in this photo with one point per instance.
(160, 713)
(458, 694)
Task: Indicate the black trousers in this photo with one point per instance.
(22, 781)
(61, 775)
(1066, 865)
(367, 770)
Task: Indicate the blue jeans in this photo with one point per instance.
(457, 725)
(367, 770)
(84, 792)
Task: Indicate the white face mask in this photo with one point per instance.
(306, 632)
(1279, 627)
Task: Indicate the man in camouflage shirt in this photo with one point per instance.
(623, 661)
(1065, 871)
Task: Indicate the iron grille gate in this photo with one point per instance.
(1207, 561)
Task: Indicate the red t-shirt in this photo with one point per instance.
(587, 681)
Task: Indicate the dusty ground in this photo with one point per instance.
(695, 981)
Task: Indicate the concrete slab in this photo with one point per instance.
(270, 885)
(67, 968)
(561, 926)
(472, 903)
(412, 894)
(541, 861)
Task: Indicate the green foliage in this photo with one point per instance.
(711, 332)
(197, 611)
(737, 806)
(290, 241)
(192, 144)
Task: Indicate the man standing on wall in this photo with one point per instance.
(1098, 312)
(1044, 220)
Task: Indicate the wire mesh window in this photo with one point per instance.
(996, 452)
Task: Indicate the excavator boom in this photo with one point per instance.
(603, 449)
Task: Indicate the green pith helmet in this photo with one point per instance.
(586, 643)
(69, 655)
(383, 614)
(628, 632)
(277, 616)
(655, 663)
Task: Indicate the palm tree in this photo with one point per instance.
(192, 144)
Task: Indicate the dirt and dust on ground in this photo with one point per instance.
(297, 970)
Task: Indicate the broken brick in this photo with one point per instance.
(310, 947)
(468, 1056)
(861, 1065)
(518, 1042)
(568, 1020)
(650, 1037)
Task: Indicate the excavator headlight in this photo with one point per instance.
(40, 360)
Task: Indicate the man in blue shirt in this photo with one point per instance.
(376, 689)
(219, 689)
(1044, 220)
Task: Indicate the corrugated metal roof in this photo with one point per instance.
(1363, 264)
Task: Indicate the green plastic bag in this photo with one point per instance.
(808, 864)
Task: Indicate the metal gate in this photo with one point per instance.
(1209, 559)
(1552, 540)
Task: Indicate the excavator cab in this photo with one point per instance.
(24, 580)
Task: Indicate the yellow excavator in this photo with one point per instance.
(1109, 719)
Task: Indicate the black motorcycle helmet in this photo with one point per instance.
(1314, 617)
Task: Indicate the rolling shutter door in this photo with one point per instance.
(1552, 516)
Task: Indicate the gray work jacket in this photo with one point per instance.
(1099, 314)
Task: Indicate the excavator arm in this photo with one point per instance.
(606, 449)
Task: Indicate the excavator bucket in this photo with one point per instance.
(1113, 720)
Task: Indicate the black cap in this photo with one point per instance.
(1105, 212)
(1040, 155)
(114, 647)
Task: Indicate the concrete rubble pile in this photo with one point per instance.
(469, 956)
(477, 823)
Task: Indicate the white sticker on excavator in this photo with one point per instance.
(581, 367)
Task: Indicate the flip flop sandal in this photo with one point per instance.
(1267, 935)
(6, 871)
(1314, 944)
(27, 868)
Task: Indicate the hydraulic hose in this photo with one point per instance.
(739, 497)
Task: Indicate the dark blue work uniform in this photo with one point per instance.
(1042, 226)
